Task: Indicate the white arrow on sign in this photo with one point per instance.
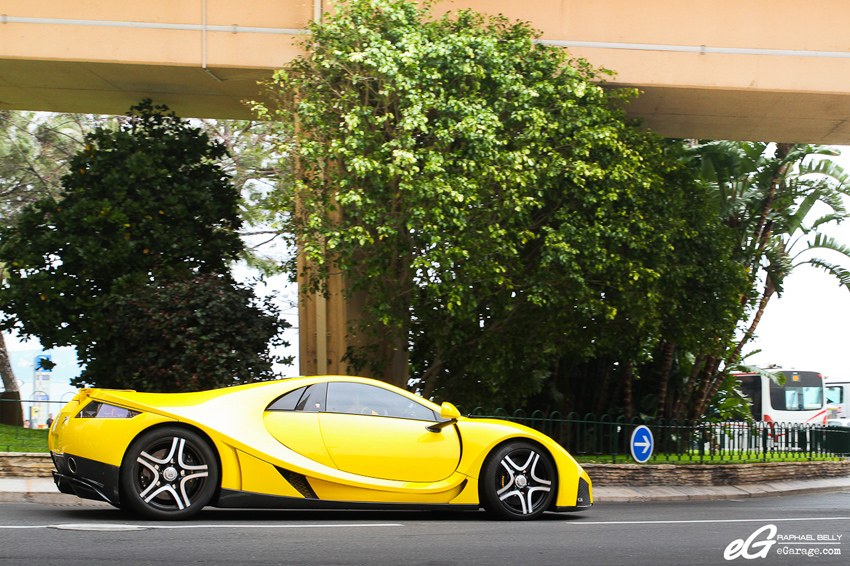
(645, 444)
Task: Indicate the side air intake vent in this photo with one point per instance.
(299, 482)
(583, 497)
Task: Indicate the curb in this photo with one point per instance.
(55, 499)
(633, 494)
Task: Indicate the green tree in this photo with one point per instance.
(34, 155)
(776, 199)
(488, 198)
(773, 200)
(144, 204)
(190, 335)
(35, 150)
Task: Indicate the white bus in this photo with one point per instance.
(802, 399)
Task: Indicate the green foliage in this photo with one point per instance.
(729, 404)
(142, 206)
(202, 333)
(490, 200)
(775, 200)
(35, 150)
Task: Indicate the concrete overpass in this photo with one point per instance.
(770, 70)
(754, 70)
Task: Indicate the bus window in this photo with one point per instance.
(802, 392)
(751, 387)
(834, 395)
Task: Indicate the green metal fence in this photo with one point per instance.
(606, 438)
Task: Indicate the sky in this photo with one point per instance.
(804, 329)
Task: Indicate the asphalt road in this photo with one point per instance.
(787, 530)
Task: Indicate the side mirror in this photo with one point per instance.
(449, 411)
(448, 416)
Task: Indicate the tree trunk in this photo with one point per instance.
(710, 385)
(627, 391)
(764, 228)
(11, 411)
(769, 290)
(666, 367)
(430, 378)
(684, 401)
(602, 395)
(715, 387)
(6, 372)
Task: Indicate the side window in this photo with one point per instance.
(361, 399)
(310, 399)
(287, 401)
(313, 400)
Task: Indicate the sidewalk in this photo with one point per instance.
(42, 490)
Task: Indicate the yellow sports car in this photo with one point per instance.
(308, 442)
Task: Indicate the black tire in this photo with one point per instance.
(168, 473)
(519, 481)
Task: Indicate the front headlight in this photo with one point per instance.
(98, 410)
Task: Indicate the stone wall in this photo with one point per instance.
(25, 465)
(713, 474)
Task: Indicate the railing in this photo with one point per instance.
(606, 439)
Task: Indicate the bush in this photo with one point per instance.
(200, 333)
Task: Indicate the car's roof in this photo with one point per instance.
(141, 399)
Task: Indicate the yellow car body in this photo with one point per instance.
(309, 442)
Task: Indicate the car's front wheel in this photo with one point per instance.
(519, 481)
(168, 473)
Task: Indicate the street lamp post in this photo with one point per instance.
(40, 388)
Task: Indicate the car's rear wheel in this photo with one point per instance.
(168, 473)
(520, 481)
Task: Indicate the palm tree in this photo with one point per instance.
(777, 199)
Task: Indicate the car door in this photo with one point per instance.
(374, 432)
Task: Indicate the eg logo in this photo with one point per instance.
(741, 548)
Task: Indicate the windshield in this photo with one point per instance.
(803, 391)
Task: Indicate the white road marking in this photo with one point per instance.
(128, 527)
(684, 522)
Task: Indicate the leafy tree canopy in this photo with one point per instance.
(142, 205)
(490, 200)
(200, 333)
(36, 149)
(776, 199)
(34, 155)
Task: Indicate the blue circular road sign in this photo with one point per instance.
(641, 444)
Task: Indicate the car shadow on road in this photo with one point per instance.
(212, 515)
